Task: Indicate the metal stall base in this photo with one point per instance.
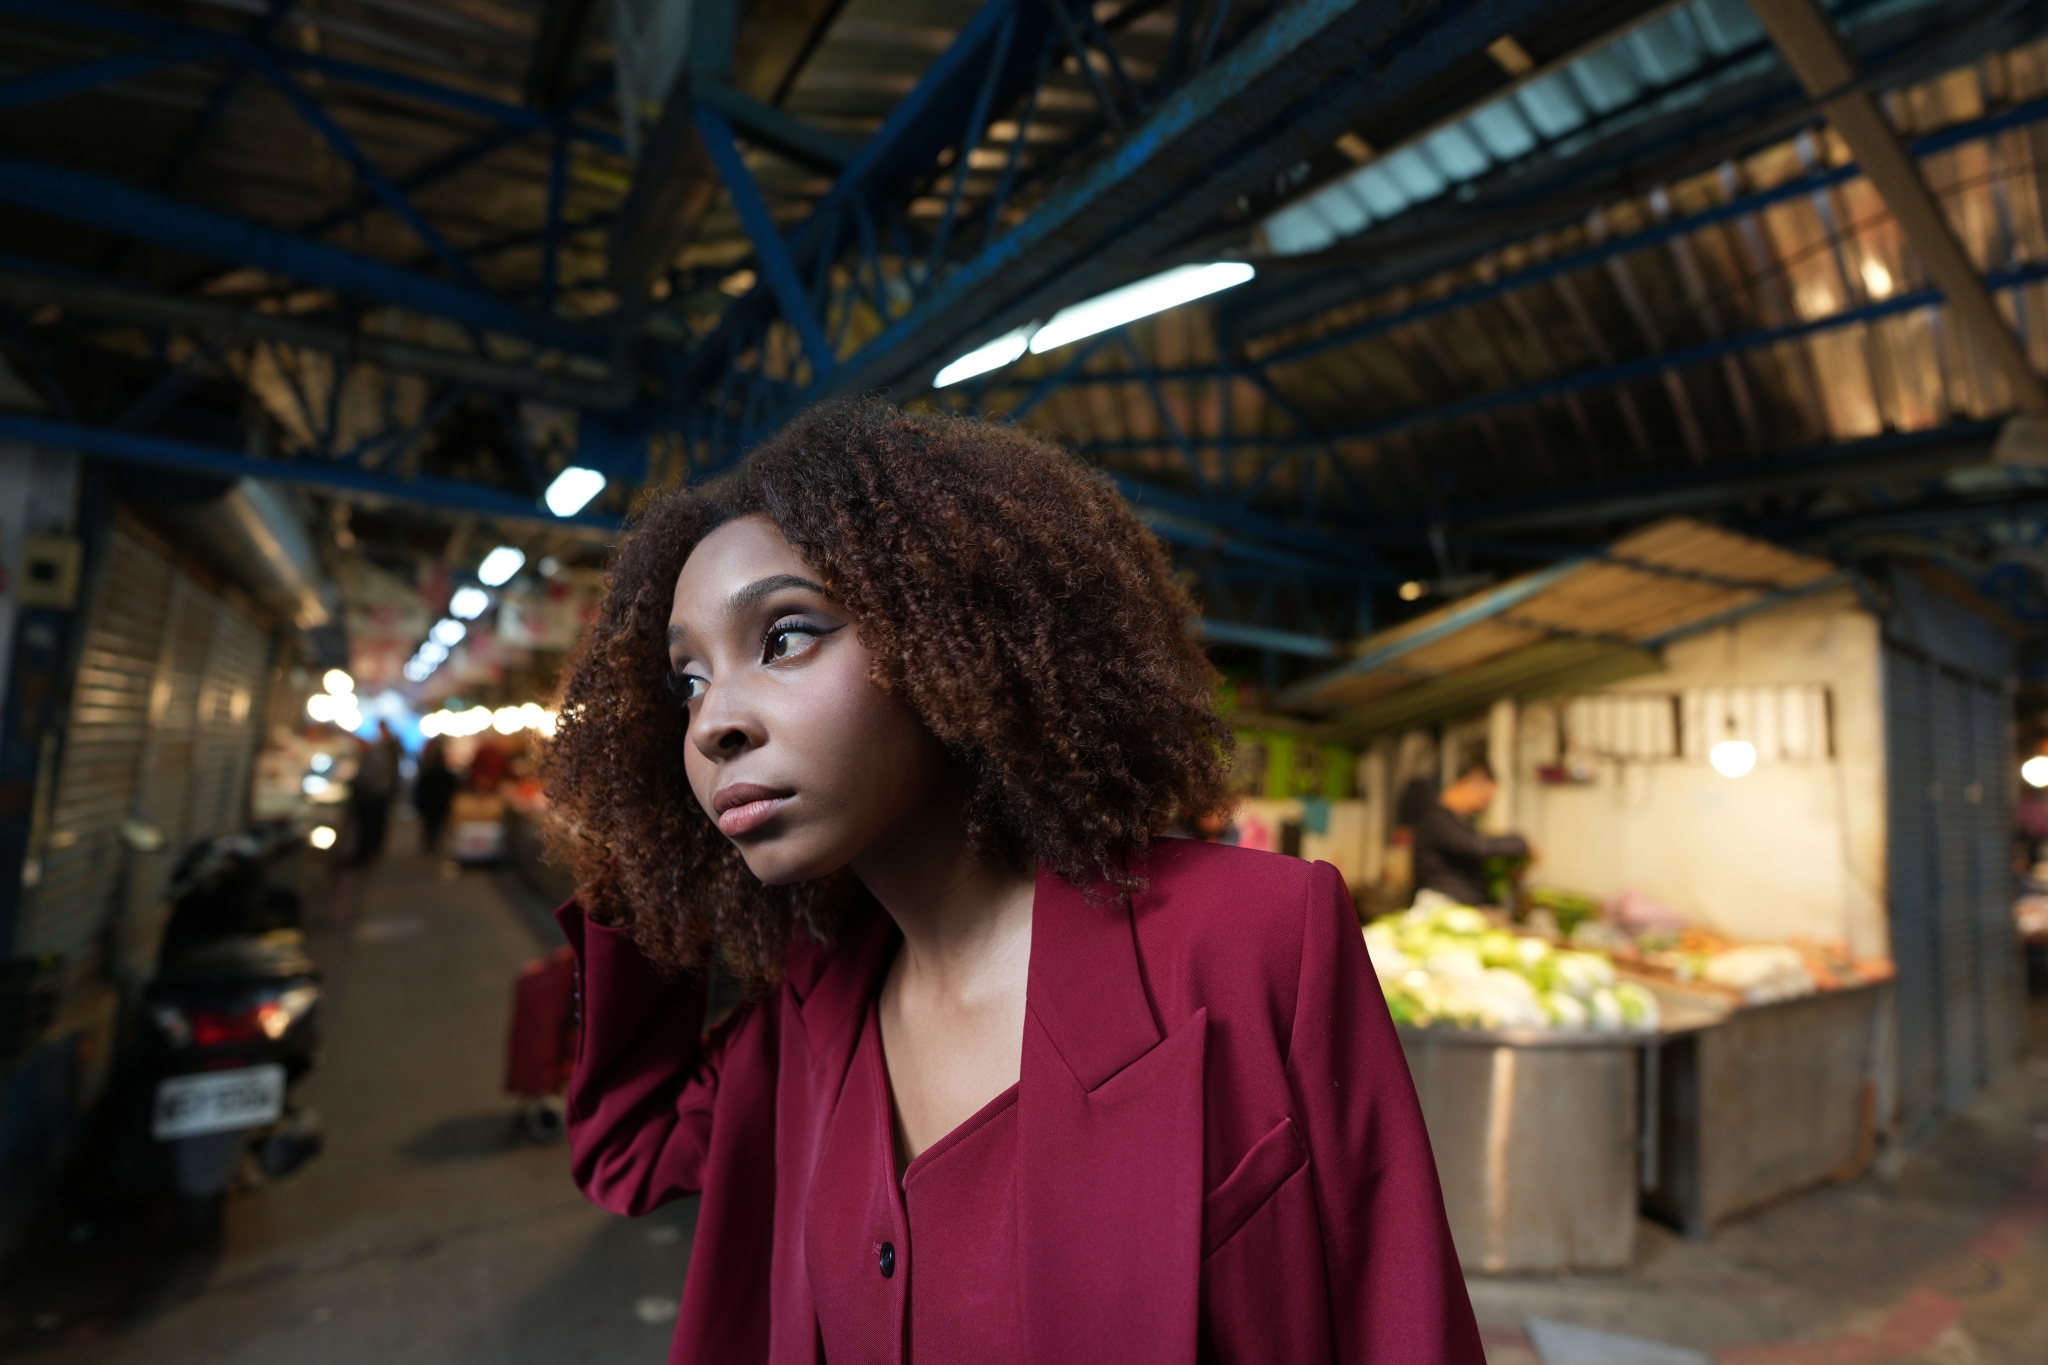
(1771, 1101)
(1536, 1139)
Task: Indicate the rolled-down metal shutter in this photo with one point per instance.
(195, 771)
(2000, 977)
(163, 730)
(1912, 878)
(1948, 752)
(82, 852)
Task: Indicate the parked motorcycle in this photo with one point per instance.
(232, 1023)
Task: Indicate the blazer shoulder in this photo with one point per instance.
(1214, 910)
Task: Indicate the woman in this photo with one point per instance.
(888, 723)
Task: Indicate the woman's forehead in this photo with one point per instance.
(728, 568)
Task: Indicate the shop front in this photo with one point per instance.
(1766, 935)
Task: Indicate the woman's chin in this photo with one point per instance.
(786, 867)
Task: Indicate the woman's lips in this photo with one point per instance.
(748, 816)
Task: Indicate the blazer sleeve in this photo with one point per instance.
(1396, 1290)
(645, 1080)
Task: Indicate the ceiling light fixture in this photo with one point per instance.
(1169, 289)
(1183, 284)
(469, 603)
(982, 359)
(572, 490)
(499, 566)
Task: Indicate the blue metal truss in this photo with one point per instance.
(127, 447)
(1184, 154)
(864, 293)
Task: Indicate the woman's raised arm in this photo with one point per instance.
(645, 1084)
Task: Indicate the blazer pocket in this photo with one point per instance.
(1272, 1160)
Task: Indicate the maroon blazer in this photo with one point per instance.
(1220, 1155)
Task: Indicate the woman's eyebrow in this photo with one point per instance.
(752, 594)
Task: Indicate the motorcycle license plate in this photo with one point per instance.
(218, 1101)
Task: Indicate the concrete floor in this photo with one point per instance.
(429, 1232)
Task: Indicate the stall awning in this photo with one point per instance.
(1583, 623)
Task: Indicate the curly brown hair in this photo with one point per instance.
(1006, 592)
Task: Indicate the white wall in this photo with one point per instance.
(1790, 849)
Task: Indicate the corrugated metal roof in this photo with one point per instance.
(1673, 577)
(1636, 70)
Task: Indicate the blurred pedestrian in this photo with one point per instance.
(376, 782)
(433, 791)
(489, 767)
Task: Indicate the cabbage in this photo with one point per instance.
(1606, 1010)
(1565, 1011)
(1639, 1009)
(1498, 948)
(1455, 962)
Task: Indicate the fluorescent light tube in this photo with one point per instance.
(499, 566)
(1141, 300)
(982, 359)
(572, 489)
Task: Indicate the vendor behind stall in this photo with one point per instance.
(1450, 855)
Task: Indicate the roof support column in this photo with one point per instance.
(1813, 49)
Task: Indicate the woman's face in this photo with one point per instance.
(804, 763)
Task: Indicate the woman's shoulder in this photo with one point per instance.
(1211, 913)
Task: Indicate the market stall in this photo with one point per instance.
(1768, 780)
(1572, 1079)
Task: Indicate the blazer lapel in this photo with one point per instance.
(1109, 1112)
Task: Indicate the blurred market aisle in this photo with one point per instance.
(426, 1232)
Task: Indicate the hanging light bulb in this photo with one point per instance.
(1732, 757)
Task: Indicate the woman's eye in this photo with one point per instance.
(687, 686)
(786, 641)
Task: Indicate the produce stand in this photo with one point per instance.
(1570, 1090)
(1772, 1100)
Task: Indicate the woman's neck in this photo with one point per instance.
(962, 915)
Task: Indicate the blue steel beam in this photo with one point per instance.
(433, 173)
(1260, 637)
(366, 170)
(96, 201)
(1285, 92)
(127, 447)
(78, 13)
(776, 264)
(1606, 376)
(42, 86)
(895, 157)
(1359, 559)
(1893, 454)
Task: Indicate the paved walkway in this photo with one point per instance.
(427, 1232)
